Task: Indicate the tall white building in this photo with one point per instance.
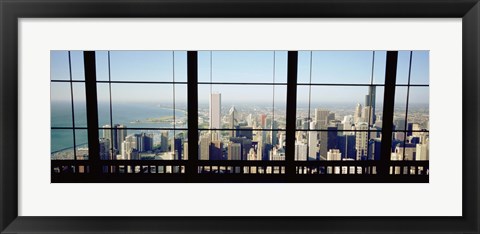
(215, 110)
(422, 152)
(357, 117)
(300, 152)
(361, 140)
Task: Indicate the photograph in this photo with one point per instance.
(254, 116)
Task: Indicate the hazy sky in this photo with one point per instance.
(331, 67)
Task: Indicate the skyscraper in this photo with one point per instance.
(115, 135)
(232, 119)
(205, 141)
(370, 101)
(361, 140)
(357, 116)
(300, 152)
(321, 118)
(215, 110)
(234, 151)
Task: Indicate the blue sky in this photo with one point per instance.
(341, 67)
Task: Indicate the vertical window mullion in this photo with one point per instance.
(388, 108)
(92, 111)
(292, 69)
(406, 106)
(192, 106)
(73, 107)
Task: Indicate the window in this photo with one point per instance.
(248, 116)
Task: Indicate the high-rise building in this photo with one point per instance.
(370, 101)
(215, 110)
(144, 142)
(361, 138)
(104, 144)
(232, 120)
(128, 145)
(115, 135)
(205, 141)
(422, 152)
(357, 117)
(346, 144)
(328, 140)
(300, 152)
(312, 143)
(234, 151)
(216, 150)
(185, 150)
(164, 141)
(321, 118)
(178, 148)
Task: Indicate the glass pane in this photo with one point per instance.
(61, 104)
(418, 108)
(409, 146)
(237, 107)
(303, 103)
(306, 145)
(62, 144)
(78, 70)
(59, 65)
(420, 68)
(342, 67)
(181, 119)
(103, 97)
(79, 104)
(280, 107)
(403, 66)
(303, 73)
(376, 120)
(81, 142)
(400, 107)
(143, 105)
(204, 66)
(180, 66)
(145, 144)
(244, 66)
(180, 145)
(241, 144)
(101, 61)
(379, 67)
(281, 60)
(141, 65)
(337, 105)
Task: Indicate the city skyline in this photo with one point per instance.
(143, 114)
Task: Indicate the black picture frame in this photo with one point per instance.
(11, 11)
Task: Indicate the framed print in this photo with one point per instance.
(239, 117)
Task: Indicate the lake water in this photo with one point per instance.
(131, 115)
